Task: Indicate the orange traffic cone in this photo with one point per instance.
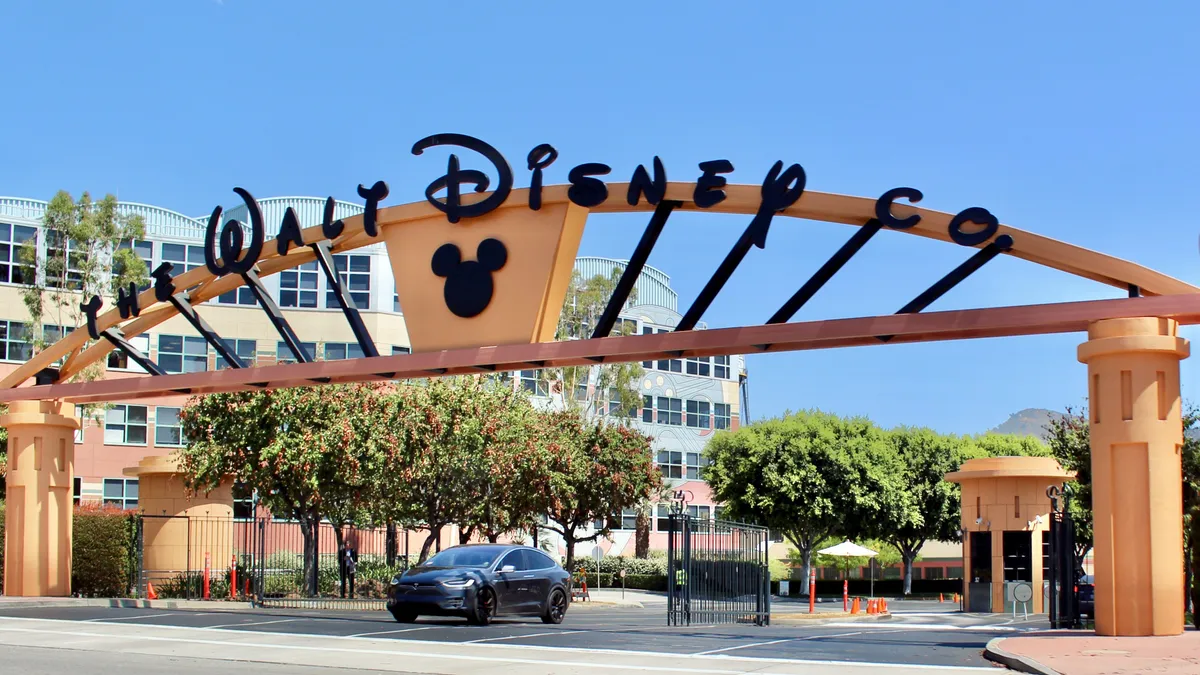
(150, 594)
(885, 606)
(941, 598)
(854, 607)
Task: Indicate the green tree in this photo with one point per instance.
(612, 388)
(886, 556)
(1191, 505)
(927, 457)
(1009, 445)
(807, 475)
(302, 449)
(606, 389)
(1070, 443)
(455, 450)
(88, 251)
(595, 471)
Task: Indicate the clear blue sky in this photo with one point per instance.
(1076, 125)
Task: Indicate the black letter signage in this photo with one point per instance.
(455, 177)
(539, 158)
(883, 207)
(231, 240)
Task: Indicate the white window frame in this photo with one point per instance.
(125, 424)
(158, 424)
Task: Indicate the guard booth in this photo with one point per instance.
(1005, 522)
(717, 572)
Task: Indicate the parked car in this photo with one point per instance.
(480, 582)
(1086, 593)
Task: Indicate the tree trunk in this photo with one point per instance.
(391, 544)
(806, 556)
(309, 530)
(909, 556)
(435, 533)
(569, 542)
(641, 545)
(493, 537)
(464, 535)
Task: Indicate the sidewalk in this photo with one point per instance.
(11, 602)
(1085, 653)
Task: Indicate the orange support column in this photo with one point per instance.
(1136, 436)
(37, 520)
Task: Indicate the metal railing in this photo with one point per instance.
(717, 572)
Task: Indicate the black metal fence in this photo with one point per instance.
(272, 563)
(1063, 589)
(717, 572)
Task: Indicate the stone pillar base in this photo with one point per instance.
(38, 515)
(1137, 485)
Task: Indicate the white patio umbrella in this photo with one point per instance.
(848, 549)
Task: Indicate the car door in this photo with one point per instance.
(537, 574)
(511, 587)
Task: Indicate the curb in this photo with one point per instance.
(608, 603)
(795, 619)
(1023, 664)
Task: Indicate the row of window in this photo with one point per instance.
(699, 414)
(297, 288)
(661, 522)
(176, 353)
(119, 492)
(702, 366)
(126, 424)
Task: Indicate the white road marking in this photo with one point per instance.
(518, 637)
(249, 623)
(515, 648)
(753, 644)
(106, 619)
(386, 632)
(499, 659)
(775, 642)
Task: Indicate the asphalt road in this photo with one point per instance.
(918, 638)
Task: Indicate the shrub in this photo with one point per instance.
(645, 582)
(102, 552)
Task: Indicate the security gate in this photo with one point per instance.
(717, 572)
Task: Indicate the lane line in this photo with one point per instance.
(519, 637)
(226, 645)
(106, 619)
(387, 632)
(598, 651)
(251, 623)
(753, 644)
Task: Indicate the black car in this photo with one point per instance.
(481, 581)
(1086, 594)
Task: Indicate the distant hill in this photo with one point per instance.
(1033, 422)
(1029, 422)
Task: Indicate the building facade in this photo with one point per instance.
(684, 401)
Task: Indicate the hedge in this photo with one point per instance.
(102, 552)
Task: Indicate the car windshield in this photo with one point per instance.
(465, 556)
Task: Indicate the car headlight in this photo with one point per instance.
(458, 583)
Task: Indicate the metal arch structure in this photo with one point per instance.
(1163, 296)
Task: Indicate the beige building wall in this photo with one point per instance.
(1006, 494)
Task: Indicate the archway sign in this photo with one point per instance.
(482, 273)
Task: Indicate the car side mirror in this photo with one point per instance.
(508, 568)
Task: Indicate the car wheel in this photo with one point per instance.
(485, 607)
(404, 615)
(556, 607)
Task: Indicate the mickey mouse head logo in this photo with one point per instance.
(469, 284)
